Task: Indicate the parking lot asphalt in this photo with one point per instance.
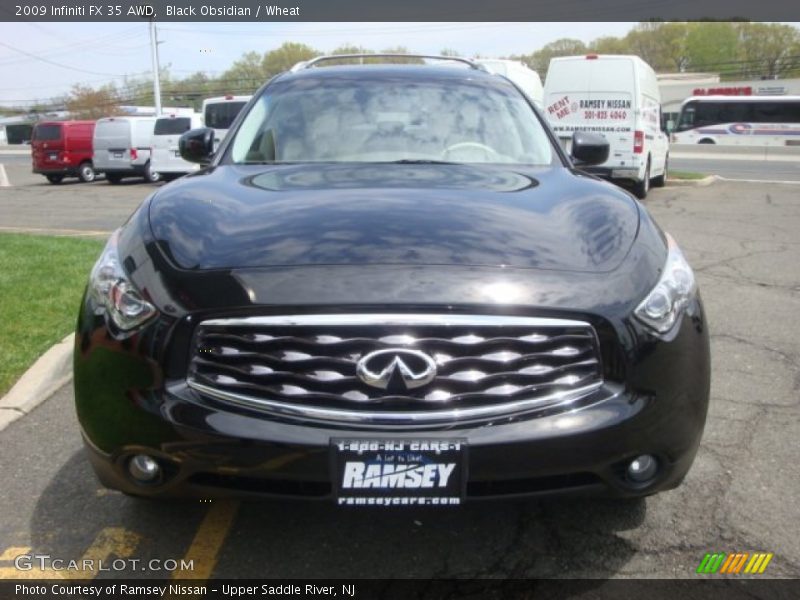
(69, 208)
(739, 496)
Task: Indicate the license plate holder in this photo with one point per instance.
(399, 472)
(117, 154)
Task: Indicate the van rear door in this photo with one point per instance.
(594, 94)
(142, 139)
(165, 154)
(47, 144)
(112, 145)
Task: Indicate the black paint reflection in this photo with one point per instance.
(394, 214)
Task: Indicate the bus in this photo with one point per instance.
(739, 121)
(220, 112)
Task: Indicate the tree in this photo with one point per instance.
(661, 45)
(712, 46)
(609, 45)
(85, 102)
(245, 73)
(346, 49)
(540, 60)
(284, 58)
(768, 50)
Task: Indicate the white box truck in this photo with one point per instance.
(617, 97)
(518, 73)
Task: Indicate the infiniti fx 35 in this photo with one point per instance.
(389, 285)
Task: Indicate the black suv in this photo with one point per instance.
(390, 286)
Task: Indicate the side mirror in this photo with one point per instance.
(589, 149)
(197, 145)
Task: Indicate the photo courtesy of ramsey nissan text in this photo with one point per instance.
(505, 305)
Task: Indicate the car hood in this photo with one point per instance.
(334, 214)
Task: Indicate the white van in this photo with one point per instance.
(122, 148)
(617, 97)
(220, 112)
(165, 159)
(518, 73)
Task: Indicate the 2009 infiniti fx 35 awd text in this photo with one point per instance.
(390, 286)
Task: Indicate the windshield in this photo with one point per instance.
(220, 115)
(390, 120)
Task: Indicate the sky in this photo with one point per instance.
(42, 60)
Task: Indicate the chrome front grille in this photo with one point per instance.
(305, 366)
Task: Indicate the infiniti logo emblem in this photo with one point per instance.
(396, 369)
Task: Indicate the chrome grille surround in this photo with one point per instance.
(303, 367)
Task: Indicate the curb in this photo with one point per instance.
(694, 182)
(46, 376)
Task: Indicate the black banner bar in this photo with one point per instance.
(403, 589)
(255, 11)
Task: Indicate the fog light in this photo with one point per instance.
(642, 468)
(144, 469)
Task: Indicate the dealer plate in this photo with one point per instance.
(389, 472)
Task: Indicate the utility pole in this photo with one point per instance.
(154, 55)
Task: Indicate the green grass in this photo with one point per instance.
(688, 175)
(41, 283)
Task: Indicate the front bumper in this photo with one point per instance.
(633, 173)
(67, 171)
(210, 449)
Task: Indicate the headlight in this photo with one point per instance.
(114, 294)
(676, 287)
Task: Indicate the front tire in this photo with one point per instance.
(642, 187)
(86, 172)
(55, 179)
(150, 176)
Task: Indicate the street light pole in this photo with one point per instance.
(154, 55)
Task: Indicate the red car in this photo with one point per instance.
(63, 149)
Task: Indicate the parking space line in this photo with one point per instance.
(4, 182)
(13, 552)
(208, 541)
(111, 541)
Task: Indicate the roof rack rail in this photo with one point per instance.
(318, 59)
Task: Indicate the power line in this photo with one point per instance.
(117, 37)
(52, 62)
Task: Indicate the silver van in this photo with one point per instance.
(122, 148)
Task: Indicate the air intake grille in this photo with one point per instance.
(307, 365)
